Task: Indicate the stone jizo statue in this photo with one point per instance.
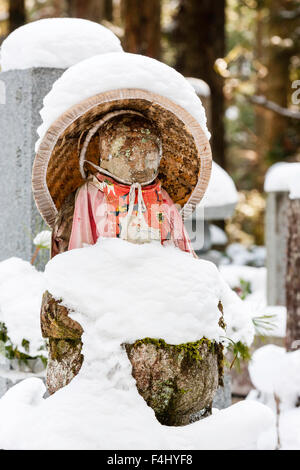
(121, 164)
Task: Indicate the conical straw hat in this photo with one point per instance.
(186, 155)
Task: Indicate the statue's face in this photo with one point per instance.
(130, 148)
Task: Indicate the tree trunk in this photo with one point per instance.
(278, 84)
(94, 10)
(293, 276)
(108, 10)
(261, 85)
(199, 36)
(142, 27)
(17, 14)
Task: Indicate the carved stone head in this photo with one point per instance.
(130, 148)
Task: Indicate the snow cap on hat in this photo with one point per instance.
(56, 43)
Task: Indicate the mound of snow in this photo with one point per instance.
(56, 42)
(113, 71)
(120, 292)
(21, 290)
(221, 189)
(107, 414)
(284, 177)
(143, 289)
(273, 370)
(289, 429)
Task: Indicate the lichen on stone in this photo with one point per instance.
(177, 381)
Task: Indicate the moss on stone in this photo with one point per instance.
(190, 350)
(177, 380)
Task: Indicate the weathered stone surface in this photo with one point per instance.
(55, 320)
(21, 98)
(130, 148)
(176, 381)
(64, 334)
(64, 363)
(276, 243)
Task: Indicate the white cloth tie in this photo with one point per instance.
(140, 202)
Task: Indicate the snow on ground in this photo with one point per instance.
(274, 371)
(121, 292)
(21, 289)
(289, 429)
(114, 71)
(221, 189)
(284, 177)
(56, 42)
(110, 414)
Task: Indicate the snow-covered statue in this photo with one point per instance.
(123, 146)
(124, 199)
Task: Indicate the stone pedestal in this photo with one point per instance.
(21, 98)
(179, 382)
(276, 243)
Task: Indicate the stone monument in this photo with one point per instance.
(276, 243)
(21, 98)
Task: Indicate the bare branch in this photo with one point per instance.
(262, 101)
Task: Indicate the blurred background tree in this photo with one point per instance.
(16, 14)
(142, 30)
(246, 50)
(199, 38)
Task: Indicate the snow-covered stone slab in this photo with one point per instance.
(221, 196)
(219, 212)
(281, 184)
(24, 91)
(276, 243)
(56, 43)
(218, 203)
(79, 418)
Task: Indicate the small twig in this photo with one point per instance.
(277, 401)
(234, 359)
(35, 255)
